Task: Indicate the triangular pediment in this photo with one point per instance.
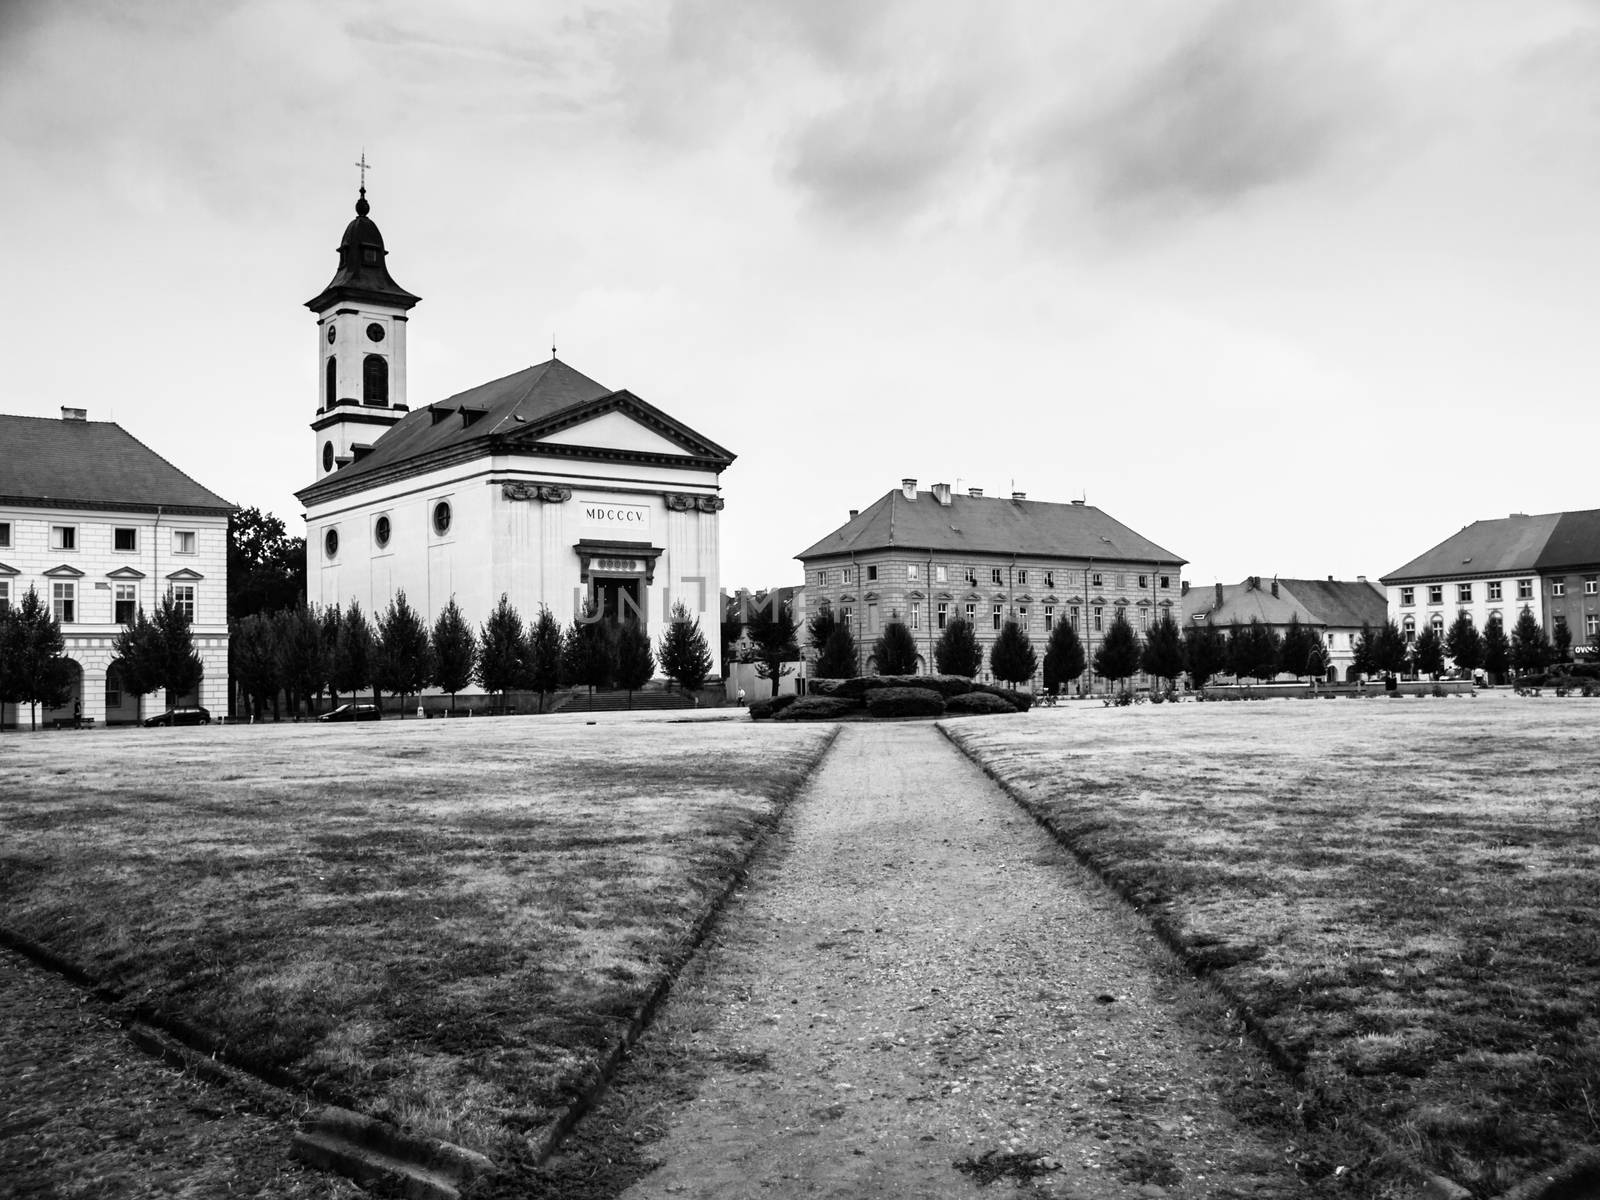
(64, 571)
(8, 570)
(619, 423)
(125, 573)
(186, 574)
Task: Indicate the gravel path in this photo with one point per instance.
(916, 976)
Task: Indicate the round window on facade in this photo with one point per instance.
(327, 456)
(330, 543)
(380, 531)
(375, 332)
(441, 517)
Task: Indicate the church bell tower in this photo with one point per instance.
(361, 346)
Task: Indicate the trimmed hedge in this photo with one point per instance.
(1021, 701)
(978, 704)
(770, 706)
(815, 708)
(858, 687)
(904, 702)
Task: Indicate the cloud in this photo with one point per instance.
(1257, 94)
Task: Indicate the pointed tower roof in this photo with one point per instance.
(362, 275)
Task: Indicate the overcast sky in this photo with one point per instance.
(1293, 289)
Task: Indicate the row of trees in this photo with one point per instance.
(302, 652)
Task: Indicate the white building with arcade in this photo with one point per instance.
(100, 525)
(544, 485)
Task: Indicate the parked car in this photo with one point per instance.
(353, 712)
(180, 716)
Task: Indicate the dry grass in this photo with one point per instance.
(442, 923)
(1403, 894)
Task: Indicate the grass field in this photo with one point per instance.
(1405, 895)
(442, 923)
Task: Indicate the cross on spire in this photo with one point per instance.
(363, 164)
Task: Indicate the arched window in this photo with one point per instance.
(333, 381)
(1409, 629)
(1437, 621)
(375, 380)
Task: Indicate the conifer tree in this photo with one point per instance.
(1427, 654)
(1364, 651)
(1496, 650)
(957, 651)
(1012, 658)
(1064, 659)
(1298, 643)
(771, 630)
(589, 651)
(1561, 641)
(1389, 649)
(895, 651)
(820, 627)
(636, 662)
(328, 622)
(543, 655)
(350, 668)
(502, 650)
(685, 655)
(1205, 654)
(181, 669)
(32, 666)
(302, 654)
(1117, 656)
(1464, 644)
(455, 650)
(253, 653)
(403, 662)
(1530, 645)
(1162, 656)
(839, 658)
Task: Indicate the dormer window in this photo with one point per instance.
(369, 255)
(375, 380)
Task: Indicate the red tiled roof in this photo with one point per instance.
(989, 525)
(92, 463)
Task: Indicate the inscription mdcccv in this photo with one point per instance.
(616, 514)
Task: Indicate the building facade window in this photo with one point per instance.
(1097, 580)
(125, 540)
(381, 531)
(1049, 579)
(124, 604)
(943, 614)
(113, 688)
(913, 571)
(972, 614)
(1408, 597)
(5, 535)
(995, 575)
(5, 595)
(999, 615)
(63, 537)
(375, 380)
(183, 541)
(1524, 589)
(1022, 575)
(1099, 618)
(441, 517)
(872, 573)
(847, 574)
(1494, 591)
(916, 614)
(1022, 616)
(331, 382)
(872, 618)
(1437, 621)
(183, 599)
(1166, 581)
(846, 613)
(1558, 587)
(1049, 617)
(1591, 626)
(1073, 615)
(971, 575)
(330, 544)
(1463, 593)
(64, 601)
(1591, 584)
(1409, 629)
(1436, 593)
(1144, 581)
(941, 574)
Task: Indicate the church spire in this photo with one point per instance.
(362, 275)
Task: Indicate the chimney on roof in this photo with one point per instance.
(1219, 595)
(975, 493)
(909, 487)
(1080, 503)
(1274, 589)
(1330, 578)
(941, 493)
(1361, 578)
(1184, 584)
(854, 513)
(74, 414)
(1019, 495)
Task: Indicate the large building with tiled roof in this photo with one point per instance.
(100, 525)
(1334, 609)
(923, 557)
(543, 485)
(1545, 563)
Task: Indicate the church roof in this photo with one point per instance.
(91, 464)
(508, 415)
(362, 274)
(989, 525)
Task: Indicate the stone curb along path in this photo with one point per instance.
(920, 992)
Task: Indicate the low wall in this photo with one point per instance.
(1322, 691)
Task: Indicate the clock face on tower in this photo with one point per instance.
(332, 333)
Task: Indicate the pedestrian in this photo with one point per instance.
(741, 697)
(77, 714)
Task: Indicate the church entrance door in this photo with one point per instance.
(620, 598)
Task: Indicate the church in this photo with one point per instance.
(544, 485)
